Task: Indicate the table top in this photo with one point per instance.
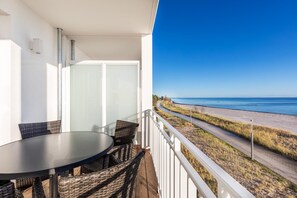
(48, 154)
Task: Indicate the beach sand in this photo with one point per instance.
(279, 121)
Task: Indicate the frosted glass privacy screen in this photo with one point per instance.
(121, 92)
(102, 93)
(86, 97)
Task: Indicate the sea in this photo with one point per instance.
(286, 106)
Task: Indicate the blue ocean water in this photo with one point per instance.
(270, 105)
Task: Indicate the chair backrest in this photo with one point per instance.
(7, 189)
(124, 132)
(123, 152)
(29, 130)
(117, 181)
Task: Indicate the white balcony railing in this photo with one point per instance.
(176, 176)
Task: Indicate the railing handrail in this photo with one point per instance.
(221, 175)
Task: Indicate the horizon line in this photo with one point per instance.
(229, 96)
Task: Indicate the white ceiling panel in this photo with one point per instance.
(98, 17)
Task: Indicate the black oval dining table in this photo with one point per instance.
(51, 154)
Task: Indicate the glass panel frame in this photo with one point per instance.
(104, 86)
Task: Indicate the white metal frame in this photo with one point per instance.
(176, 176)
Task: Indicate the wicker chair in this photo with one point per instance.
(124, 132)
(117, 181)
(116, 155)
(29, 130)
(97, 165)
(122, 150)
(7, 190)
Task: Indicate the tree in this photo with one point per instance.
(155, 100)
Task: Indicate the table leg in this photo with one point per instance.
(53, 186)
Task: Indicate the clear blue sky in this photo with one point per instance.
(225, 48)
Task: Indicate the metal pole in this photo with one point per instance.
(59, 73)
(144, 130)
(148, 128)
(252, 140)
(72, 50)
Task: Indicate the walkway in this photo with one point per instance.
(276, 162)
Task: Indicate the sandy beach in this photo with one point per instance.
(279, 121)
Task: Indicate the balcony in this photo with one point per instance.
(165, 170)
(176, 176)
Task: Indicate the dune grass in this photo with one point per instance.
(258, 179)
(277, 140)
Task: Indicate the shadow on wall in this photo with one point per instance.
(34, 87)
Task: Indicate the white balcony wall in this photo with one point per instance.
(28, 80)
(37, 70)
(10, 91)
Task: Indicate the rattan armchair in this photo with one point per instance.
(29, 130)
(122, 150)
(7, 190)
(124, 132)
(117, 181)
(116, 155)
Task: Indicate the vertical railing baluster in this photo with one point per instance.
(183, 181)
(173, 169)
(170, 171)
(166, 170)
(164, 165)
(177, 166)
(149, 127)
(157, 151)
(144, 130)
(161, 159)
(192, 190)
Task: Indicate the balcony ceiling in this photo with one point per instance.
(98, 17)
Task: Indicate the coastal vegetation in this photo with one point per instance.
(258, 179)
(155, 100)
(277, 140)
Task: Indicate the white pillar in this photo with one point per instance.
(146, 72)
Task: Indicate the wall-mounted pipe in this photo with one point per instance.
(72, 50)
(59, 73)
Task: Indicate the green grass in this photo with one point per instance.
(277, 140)
(258, 179)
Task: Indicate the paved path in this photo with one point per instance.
(276, 162)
